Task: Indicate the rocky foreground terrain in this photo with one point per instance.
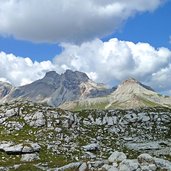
(38, 137)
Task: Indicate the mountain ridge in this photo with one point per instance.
(129, 94)
(55, 89)
(73, 90)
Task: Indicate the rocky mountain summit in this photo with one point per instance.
(73, 90)
(129, 94)
(39, 137)
(55, 89)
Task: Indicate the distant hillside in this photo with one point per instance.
(74, 90)
(129, 94)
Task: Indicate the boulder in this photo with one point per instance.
(71, 166)
(10, 113)
(38, 120)
(129, 165)
(117, 157)
(143, 146)
(113, 168)
(14, 149)
(145, 159)
(36, 147)
(91, 147)
(11, 148)
(163, 164)
(30, 157)
(151, 167)
(106, 167)
(83, 167)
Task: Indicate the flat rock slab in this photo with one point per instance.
(156, 145)
(11, 148)
(91, 147)
(30, 157)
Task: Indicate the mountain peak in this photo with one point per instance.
(130, 80)
(56, 89)
(76, 75)
(51, 74)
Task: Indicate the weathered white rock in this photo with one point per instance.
(106, 167)
(97, 164)
(83, 167)
(145, 159)
(58, 130)
(10, 112)
(38, 120)
(90, 155)
(2, 119)
(91, 147)
(113, 168)
(145, 168)
(13, 125)
(4, 145)
(129, 165)
(152, 167)
(163, 164)
(14, 149)
(36, 147)
(27, 149)
(144, 146)
(116, 157)
(130, 118)
(73, 166)
(143, 117)
(4, 169)
(30, 157)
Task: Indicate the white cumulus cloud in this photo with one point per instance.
(20, 71)
(162, 78)
(67, 20)
(111, 62)
(108, 62)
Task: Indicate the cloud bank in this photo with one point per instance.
(109, 62)
(20, 71)
(113, 61)
(67, 20)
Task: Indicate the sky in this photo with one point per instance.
(110, 40)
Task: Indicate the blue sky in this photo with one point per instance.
(36, 51)
(151, 27)
(108, 40)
